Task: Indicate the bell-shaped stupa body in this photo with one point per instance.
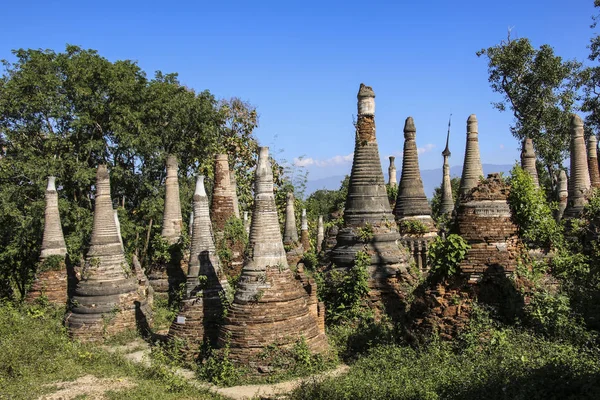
(562, 194)
(172, 220)
(411, 201)
(53, 241)
(271, 306)
(320, 233)
(392, 177)
(233, 183)
(528, 161)
(369, 225)
(52, 283)
(222, 208)
(472, 169)
(290, 232)
(579, 181)
(201, 311)
(447, 203)
(108, 294)
(593, 161)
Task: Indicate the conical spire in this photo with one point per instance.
(447, 204)
(472, 169)
(236, 204)
(172, 220)
(411, 200)
(528, 161)
(562, 194)
(107, 282)
(320, 234)
(305, 240)
(367, 204)
(222, 207)
(593, 161)
(270, 305)
(53, 242)
(392, 178)
(290, 233)
(579, 182)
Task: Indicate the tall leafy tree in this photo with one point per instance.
(590, 81)
(538, 87)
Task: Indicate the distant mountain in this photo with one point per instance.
(432, 178)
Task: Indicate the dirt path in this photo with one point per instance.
(139, 351)
(88, 386)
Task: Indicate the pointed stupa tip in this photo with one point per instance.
(51, 184)
(576, 121)
(392, 159)
(472, 123)
(365, 91)
(200, 191)
(528, 147)
(366, 100)
(446, 152)
(409, 125)
(101, 177)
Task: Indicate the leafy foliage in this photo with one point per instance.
(446, 254)
(412, 227)
(436, 200)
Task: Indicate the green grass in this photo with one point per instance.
(35, 351)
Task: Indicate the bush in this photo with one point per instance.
(446, 254)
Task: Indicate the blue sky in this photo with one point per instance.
(301, 63)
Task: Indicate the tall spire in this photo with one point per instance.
(579, 182)
(270, 305)
(562, 194)
(107, 281)
(320, 234)
(233, 182)
(392, 178)
(447, 203)
(472, 169)
(222, 207)
(528, 161)
(593, 161)
(290, 233)
(411, 200)
(172, 220)
(304, 239)
(53, 242)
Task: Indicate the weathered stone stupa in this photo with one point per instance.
(246, 223)
(320, 234)
(222, 209)
(483, 219)
(369, 223)
(172, 220)
(236, 204)
(392, 177)
(290, 232)
(593, 161)
(562, 194)
(304, 237)
(579, 181)
(411, 204)
(118, 225)
(271, 306)
(108, 294)
(528, 161)
(52, 282)
(447, 203)
(201, 311)
(472, 169)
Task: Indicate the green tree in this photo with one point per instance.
(589, 79)
(539, 89)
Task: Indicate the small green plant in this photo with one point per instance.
(412, 227)
(310, 260)
(52, 263)
(365, 233)
(160, 250)
(445, 255)
(216, 367)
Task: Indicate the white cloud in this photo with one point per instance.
(428, 147)
(335, 160)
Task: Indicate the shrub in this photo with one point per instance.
(412, 227)
(446, 254)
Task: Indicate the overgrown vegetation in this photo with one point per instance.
(445, 254)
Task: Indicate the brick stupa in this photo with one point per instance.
(528, 161)
(579, 182)
(52, 282)
(201, 311)
(411, 203)
(109, 294)
(483, 219)
(447, 202)
(236, 204)
(294, 249)
(593, 161)
(472, 169)
(304, 237)
(271, 306)
(369, 223)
